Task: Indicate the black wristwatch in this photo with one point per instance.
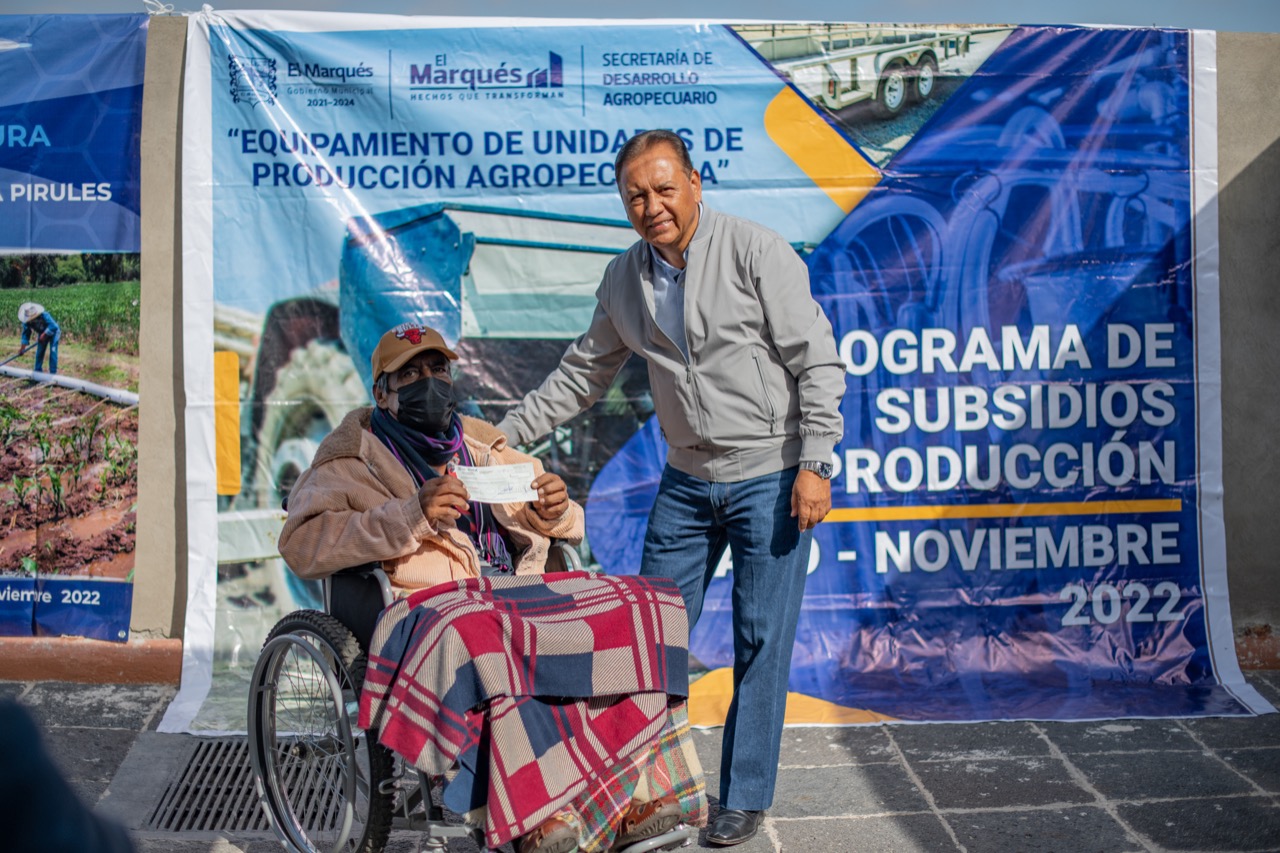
(822, 469)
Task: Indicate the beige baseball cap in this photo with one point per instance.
(403, 343)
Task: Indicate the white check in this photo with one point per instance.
(498, 484)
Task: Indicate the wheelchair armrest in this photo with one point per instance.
(563, 557)
(356, 596)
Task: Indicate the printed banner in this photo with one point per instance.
(1001, 222)
(70, 123)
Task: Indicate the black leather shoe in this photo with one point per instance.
(734, 826)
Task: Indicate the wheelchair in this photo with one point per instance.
(326, 785)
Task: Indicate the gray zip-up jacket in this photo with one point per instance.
(762, 386)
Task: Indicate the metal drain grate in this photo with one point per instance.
(214, 792)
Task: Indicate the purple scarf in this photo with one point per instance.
(421, 454)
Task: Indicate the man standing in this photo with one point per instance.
(747, 386)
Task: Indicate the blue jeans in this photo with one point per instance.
(691, 523)
(53, 353)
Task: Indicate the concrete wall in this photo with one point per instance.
(1249, 251)
(160, 573)
(1249, 152)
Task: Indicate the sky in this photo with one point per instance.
(1225, 15)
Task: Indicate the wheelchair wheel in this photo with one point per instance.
(318, 775)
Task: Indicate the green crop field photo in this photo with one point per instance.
(102, 315)
(95, 300)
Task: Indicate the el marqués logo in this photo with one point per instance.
(442, 75)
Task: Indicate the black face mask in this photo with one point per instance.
(427, 406)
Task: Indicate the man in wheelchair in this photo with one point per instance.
(549, 702)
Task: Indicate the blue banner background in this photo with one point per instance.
(70, 126)
(76, 607)
(1052, 190)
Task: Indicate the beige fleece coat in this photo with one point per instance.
(357, 503)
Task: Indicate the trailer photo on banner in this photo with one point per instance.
(1012, 230)
(69, 322)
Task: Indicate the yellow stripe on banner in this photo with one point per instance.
(924, 513)
(710, 696)
(829, 160)
(226, 420)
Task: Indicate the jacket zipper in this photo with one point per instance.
(700, 426)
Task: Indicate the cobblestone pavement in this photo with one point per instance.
(1120, 785)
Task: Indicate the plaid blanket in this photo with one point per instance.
(669, 768)
(533, 687)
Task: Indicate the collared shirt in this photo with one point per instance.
(668, 296)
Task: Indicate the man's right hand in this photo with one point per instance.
(443, 499)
